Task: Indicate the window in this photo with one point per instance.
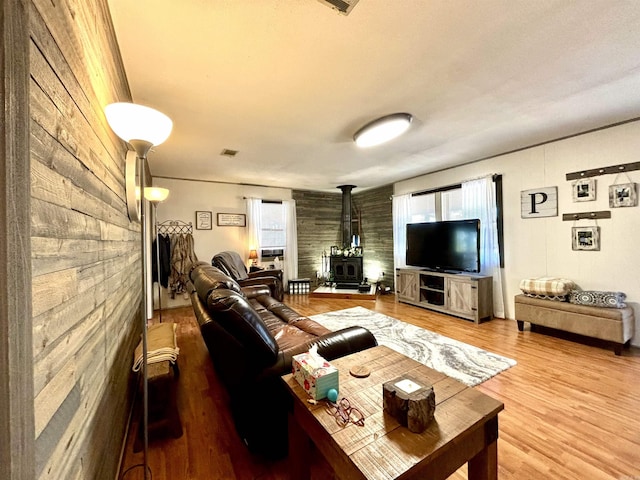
(273, 233)
(446, 204)
(437, 205)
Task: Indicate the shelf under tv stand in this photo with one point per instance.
(464, 295)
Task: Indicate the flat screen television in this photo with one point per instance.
(450, 246)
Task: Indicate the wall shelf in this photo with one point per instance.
(594, 172)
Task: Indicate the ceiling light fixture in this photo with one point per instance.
(382, 130)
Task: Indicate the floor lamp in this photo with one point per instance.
(157, 195)
(142, 128)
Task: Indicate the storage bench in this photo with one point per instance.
(615, 325)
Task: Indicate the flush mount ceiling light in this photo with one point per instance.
(382, 130)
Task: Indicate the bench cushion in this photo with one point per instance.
(547, 286)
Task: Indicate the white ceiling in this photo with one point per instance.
(288, 82)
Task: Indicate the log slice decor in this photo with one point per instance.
(411, 402)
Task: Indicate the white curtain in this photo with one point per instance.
(401, 216)
(254, 224)
(290, 269)
(479, 201)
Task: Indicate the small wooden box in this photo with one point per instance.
(411, 402)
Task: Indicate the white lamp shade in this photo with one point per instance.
(382, 130)
(156, 194)
(137, 122)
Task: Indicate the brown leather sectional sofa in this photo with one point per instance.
(252, 338)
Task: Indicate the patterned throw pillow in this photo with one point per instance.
(598, 299)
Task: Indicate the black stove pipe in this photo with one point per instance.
(346, 215)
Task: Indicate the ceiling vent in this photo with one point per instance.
(229, 153)
(342, 6)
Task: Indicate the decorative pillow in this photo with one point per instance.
(551, 286)
(598, 299)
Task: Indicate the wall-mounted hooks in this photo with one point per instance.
(586, 215)
(626, 167)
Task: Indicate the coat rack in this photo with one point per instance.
(586, 215)
(625, 167)
(174, 226)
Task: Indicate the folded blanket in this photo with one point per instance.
(161, 345)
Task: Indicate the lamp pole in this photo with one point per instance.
(142, 127)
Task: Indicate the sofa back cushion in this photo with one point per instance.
(234, 313)
(206, 278)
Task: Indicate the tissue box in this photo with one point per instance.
(314, 374)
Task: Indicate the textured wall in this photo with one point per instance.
(318, 219)
(374, 211)
(85, 252)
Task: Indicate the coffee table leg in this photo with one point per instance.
(299, 451)
(484, 466)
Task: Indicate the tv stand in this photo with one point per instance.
(462, 294)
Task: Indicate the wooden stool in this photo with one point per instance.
(164, 418)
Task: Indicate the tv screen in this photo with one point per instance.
(444, 246)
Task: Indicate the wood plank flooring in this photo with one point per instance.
(572, 409)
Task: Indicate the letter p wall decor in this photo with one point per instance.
(539, 202)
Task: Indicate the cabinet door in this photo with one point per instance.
(407, 285)
(463, 297)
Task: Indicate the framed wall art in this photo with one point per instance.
(232, 220)
(539, 202)
(584, 190)
(585, 238)
(203, 220)
(623, 195)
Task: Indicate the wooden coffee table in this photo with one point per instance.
(465, 427)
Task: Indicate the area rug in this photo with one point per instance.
(466, 363)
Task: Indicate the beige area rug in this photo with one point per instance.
(466, 363)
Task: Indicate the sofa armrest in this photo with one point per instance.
(277, 273)
(344, 342)
(275, 285)
(253, 291)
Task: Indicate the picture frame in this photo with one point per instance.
(623, 195)
(584, 190)
(203, 220)
(585, 238)
(231, 220)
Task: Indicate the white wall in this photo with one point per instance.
(186, 197)
(542, 246)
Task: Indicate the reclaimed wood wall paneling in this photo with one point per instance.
(16, 388)
(86, 254)
(318, 221)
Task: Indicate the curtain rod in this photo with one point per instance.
(494, 177)
(264, 200)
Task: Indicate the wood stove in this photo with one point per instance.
(346, 272)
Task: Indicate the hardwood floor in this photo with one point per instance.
(572, 410)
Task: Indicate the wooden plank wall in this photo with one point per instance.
(16, 371)
(86, 257)
(318, 221)
(376, 231)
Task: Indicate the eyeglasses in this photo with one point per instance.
(344, 413)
